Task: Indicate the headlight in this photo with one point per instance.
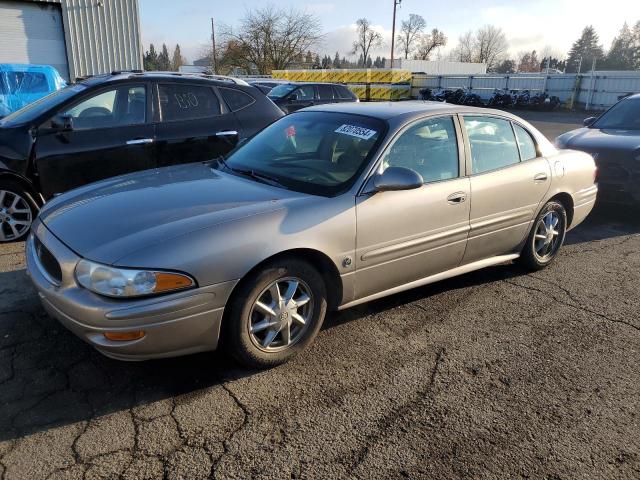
(124, 282)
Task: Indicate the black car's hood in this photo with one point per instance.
(107, 220)
(595, 139)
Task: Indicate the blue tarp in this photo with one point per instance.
(23, 84)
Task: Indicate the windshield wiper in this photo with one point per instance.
(261, 177)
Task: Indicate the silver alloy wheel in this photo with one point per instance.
(15, 216)
(547, 238)
(281, 314)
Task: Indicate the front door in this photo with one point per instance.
(509, 179)
(408, 235)
(301, 97)
(193, 126)
(110, 136)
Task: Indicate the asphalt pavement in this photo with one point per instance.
(495, 374)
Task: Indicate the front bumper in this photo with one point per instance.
(175, 324)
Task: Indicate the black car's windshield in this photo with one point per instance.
(34, 110)
(282, 91)
(313, 152)
(625, 115)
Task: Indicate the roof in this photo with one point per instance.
(388, 110)
(173, 76)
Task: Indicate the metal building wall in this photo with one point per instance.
(101, 35)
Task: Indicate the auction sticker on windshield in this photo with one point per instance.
(355, 131)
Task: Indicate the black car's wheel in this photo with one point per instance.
(546, 237)
(17, 212)
(275, 313)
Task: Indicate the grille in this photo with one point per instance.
(48, 261)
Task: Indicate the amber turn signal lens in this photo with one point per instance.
(170, 281)
(123, 336)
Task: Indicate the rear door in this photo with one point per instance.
(509, 179)
(110, 136)
(325, 94)
(193, 125)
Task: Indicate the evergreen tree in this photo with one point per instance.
(369, 62)
(178, 60)
(336, 60)
(383, 62)
(150, 59)
(164, 63)
(624, 51)
(506, 66)
(587, 48)
(360, 63)
(308, 58)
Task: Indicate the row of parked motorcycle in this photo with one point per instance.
(500, 98)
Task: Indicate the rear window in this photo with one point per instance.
(343, 92)
(236, 99)
(187, 102)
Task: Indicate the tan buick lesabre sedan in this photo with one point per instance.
(327, 208)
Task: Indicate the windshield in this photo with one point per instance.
(34, 110)
(624, 115)
(282, 91)
(312, 152)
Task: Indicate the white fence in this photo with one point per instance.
(592, 90)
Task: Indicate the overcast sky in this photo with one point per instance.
(539, 24)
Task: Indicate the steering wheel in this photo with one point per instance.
(322, 173)
(94, 112)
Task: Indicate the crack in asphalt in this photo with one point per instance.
(225, 443)
(396, 414)
(576, 305)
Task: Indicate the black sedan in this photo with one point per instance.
(114, 124)
(613, 139)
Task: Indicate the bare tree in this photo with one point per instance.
(486, 45)
(490, 45)
(410, 33)
(429, 42)
(271, 38)
(464, 52)
(367, 38)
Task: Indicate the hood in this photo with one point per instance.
(595, 139)
(108, 220)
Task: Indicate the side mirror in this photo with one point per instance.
(397, 178)
(587, 122)
(62, 123)
(293, 97)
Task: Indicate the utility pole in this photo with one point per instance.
(393, 29)
(213, 43)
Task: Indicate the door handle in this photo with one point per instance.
(140, 141)
(540, 177)
(457, 198)
(227, 133)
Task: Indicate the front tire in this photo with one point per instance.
(546, 237)
(275, 313)
(17, 212)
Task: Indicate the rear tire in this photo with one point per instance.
(546, 237)
(275, 313)
(17, 211)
